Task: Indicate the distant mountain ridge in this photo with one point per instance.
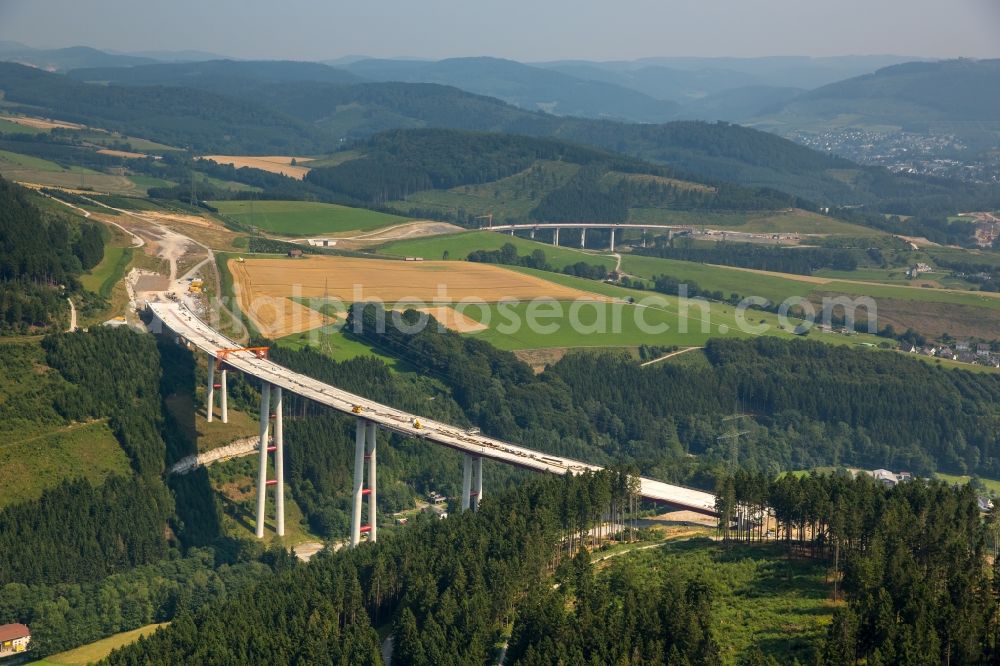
(302, 117)
(525, 86)
(949, 90)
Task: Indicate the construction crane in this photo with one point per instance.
(486, 217)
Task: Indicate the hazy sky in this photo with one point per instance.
(519, 29)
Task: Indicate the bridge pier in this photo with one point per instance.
(644, 238)
(224, 398)
(555, 237)
(512, 231)
(472, 481)
(210, 398)
(612, 239)
(532, 234)
(265, 422)
(477, 482)
(279, 461)
(583, 237)
(364, 449)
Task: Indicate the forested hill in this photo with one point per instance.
(914, 92)
(40, 259)
(555, 180)
(264, 109)
(186, 117)
(220, 75)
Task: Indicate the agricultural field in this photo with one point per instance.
(93, 652)
(281, 164)
(304, 218)
(268, 289)
(37, 171)
(654, 319)
(458, 246)
(766, 222)
(8, 126)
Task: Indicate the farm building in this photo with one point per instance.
(14, 639)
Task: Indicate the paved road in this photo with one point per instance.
(184, 323)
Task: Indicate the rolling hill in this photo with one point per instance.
(530, 88)
(186, 117)
(227, 75)
(304, 117)
(914, 93)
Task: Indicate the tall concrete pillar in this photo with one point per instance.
(265, 421)
(532, 234)
(279, 462)
(210, 398)
(466, 480)
(512, 231)
(555, 237)
(224, 398)
(612, 239)
(583, 237)
(477, 482)
(644, 238)
(359, 469)
(372, 481)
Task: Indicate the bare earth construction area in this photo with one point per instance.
(265, 288)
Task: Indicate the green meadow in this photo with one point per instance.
(304, 218)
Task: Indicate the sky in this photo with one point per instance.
(526, 30)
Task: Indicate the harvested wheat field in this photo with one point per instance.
(274, 163)
(453, 319)
(122, 153)
(264, 287)
(42, 123)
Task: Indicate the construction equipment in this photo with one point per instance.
(222, 354)
(489, 219)
(416, 424)
(357, 409)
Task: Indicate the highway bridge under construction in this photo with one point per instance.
(225, 355)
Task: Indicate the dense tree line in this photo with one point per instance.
(66, 615)
(583, 199)
(614, 620)
(508, 256)
(115, 373)
(39, 254)
(76, 532)
(910, 560)
(801, 261)
(806, 404)
(447, 587)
